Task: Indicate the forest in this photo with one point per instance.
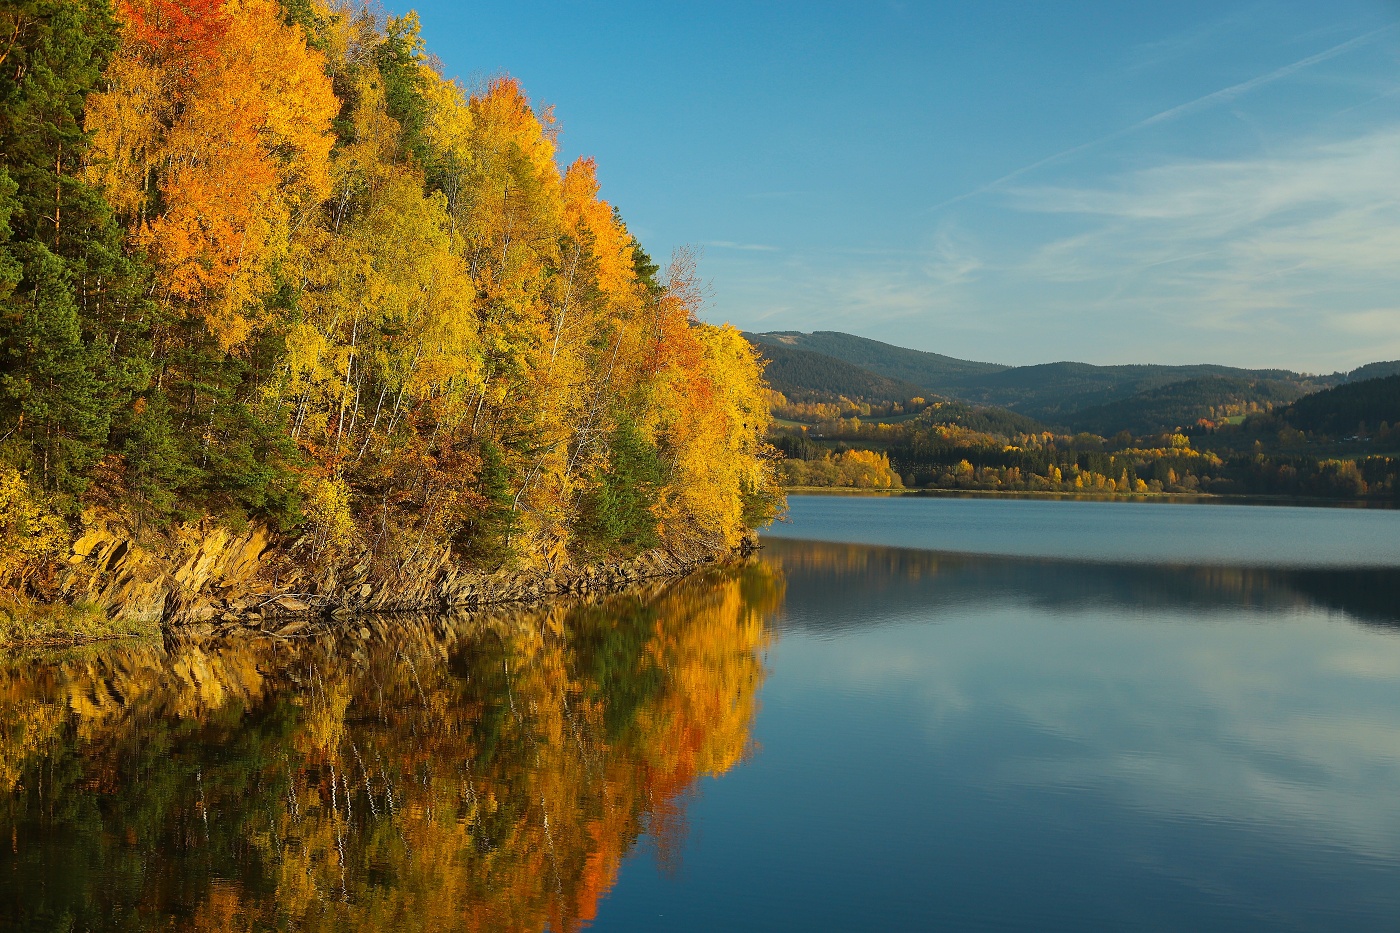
(1336, 443)
(844, 417)
(260, 260)
(803, 375)
(1057, 393)
(955, 446)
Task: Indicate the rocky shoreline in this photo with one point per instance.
(203, 577)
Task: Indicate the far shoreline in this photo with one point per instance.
(1179, 498)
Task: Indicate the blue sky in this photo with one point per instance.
(1016, 182)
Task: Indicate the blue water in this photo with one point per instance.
(967, 742)
(907, 714)
(1139, 532)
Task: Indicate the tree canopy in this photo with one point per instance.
(263, 260)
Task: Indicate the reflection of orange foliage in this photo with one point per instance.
(714, 660)
(486, 773)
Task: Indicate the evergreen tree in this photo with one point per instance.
(72, 309)
(48, 391)
(486, 535)
(617, 514)
(400, 58)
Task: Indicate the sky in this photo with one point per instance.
(1011, 182)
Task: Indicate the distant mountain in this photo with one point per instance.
(804, 376)
(1050, 392)
(916, 366)
(1347, 409)
(1374, 371)
(1181, 404)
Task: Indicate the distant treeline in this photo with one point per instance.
(1356, 409)
(1297, 450)
(827, 368)
(957, 460)
(1055, 393)
(1184, 404)
(1100, 429)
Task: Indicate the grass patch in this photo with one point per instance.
(28, 622)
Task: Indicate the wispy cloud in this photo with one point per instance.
(1206, 101)
(1179, 45)
(1225, 95)
(1286, 258)
(854, 290)
(1300, 242)
(1326, 205)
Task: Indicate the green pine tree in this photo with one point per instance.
(617, 517)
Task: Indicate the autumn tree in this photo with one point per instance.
(263, 260)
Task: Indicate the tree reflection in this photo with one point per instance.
(479, 772)
(833, 585)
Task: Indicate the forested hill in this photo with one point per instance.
(804, 376)
(1354, 409)
(1054, 392)
(262, 260)
(1176, 430)
(923, 369)
(1183, 404)
(1374, 371)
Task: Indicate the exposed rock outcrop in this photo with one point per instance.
(204, 574)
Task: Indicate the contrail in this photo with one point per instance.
(1181, 110)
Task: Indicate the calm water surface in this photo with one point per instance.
(1137, 532)
(906, 715)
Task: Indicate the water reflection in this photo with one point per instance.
(983, 743)
(1152, 533)
(834, 587)
(951, 741)
(483, 772)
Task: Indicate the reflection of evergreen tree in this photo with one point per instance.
(832, 583)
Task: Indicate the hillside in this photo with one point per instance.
(804, 376)
(1183, 404)
(1374, 371)
(1050, 392)
(1056, 391)
(963, 443)
(303, 303)
(928, 370)
(987, 420)
(1354, 408)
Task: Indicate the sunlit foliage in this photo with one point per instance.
(270, 263)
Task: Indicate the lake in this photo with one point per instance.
(903, 714)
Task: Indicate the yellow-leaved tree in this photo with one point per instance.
(213, 140)
(388, 310)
